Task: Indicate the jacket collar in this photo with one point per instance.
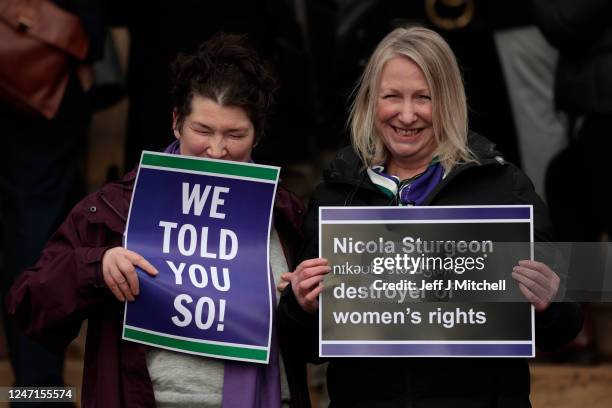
(347, 167)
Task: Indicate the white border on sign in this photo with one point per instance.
(270, 287)
(441, 342)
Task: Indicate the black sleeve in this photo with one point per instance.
(524, 193)
(310, 229)
(562, 321)
(558, 325)
(296, 326)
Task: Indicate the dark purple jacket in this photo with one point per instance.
(50, 300)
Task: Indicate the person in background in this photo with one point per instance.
(221, 96)
(582, 33)
(411, 147)
(528, 63)
(39, 183)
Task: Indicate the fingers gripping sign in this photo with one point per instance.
(118, 270)
(538, 283)
(285, 280)
(307, 282)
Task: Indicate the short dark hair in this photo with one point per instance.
(229, 71)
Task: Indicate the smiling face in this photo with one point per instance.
(404, 117)
(215, 131)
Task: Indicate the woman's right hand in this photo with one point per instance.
(119, 273)
(307, 282)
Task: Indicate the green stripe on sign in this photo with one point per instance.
(187, 345)
(230, 169)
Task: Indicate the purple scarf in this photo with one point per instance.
(408, 192)
(250, 385)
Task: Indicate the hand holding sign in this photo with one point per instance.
(537, 282)
(119, 273)
(306, 282)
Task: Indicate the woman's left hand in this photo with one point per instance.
(538, 283)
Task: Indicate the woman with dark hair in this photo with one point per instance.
(411, 147)
(221, 95)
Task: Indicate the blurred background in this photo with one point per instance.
(538, 80)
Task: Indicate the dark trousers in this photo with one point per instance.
(40, 170)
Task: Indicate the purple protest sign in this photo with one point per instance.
(205, 225)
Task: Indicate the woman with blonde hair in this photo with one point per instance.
(411, 147)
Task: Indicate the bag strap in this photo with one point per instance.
(47, 22)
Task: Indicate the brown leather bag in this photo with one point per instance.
(39, 44)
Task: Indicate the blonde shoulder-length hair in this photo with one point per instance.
(449, 107)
